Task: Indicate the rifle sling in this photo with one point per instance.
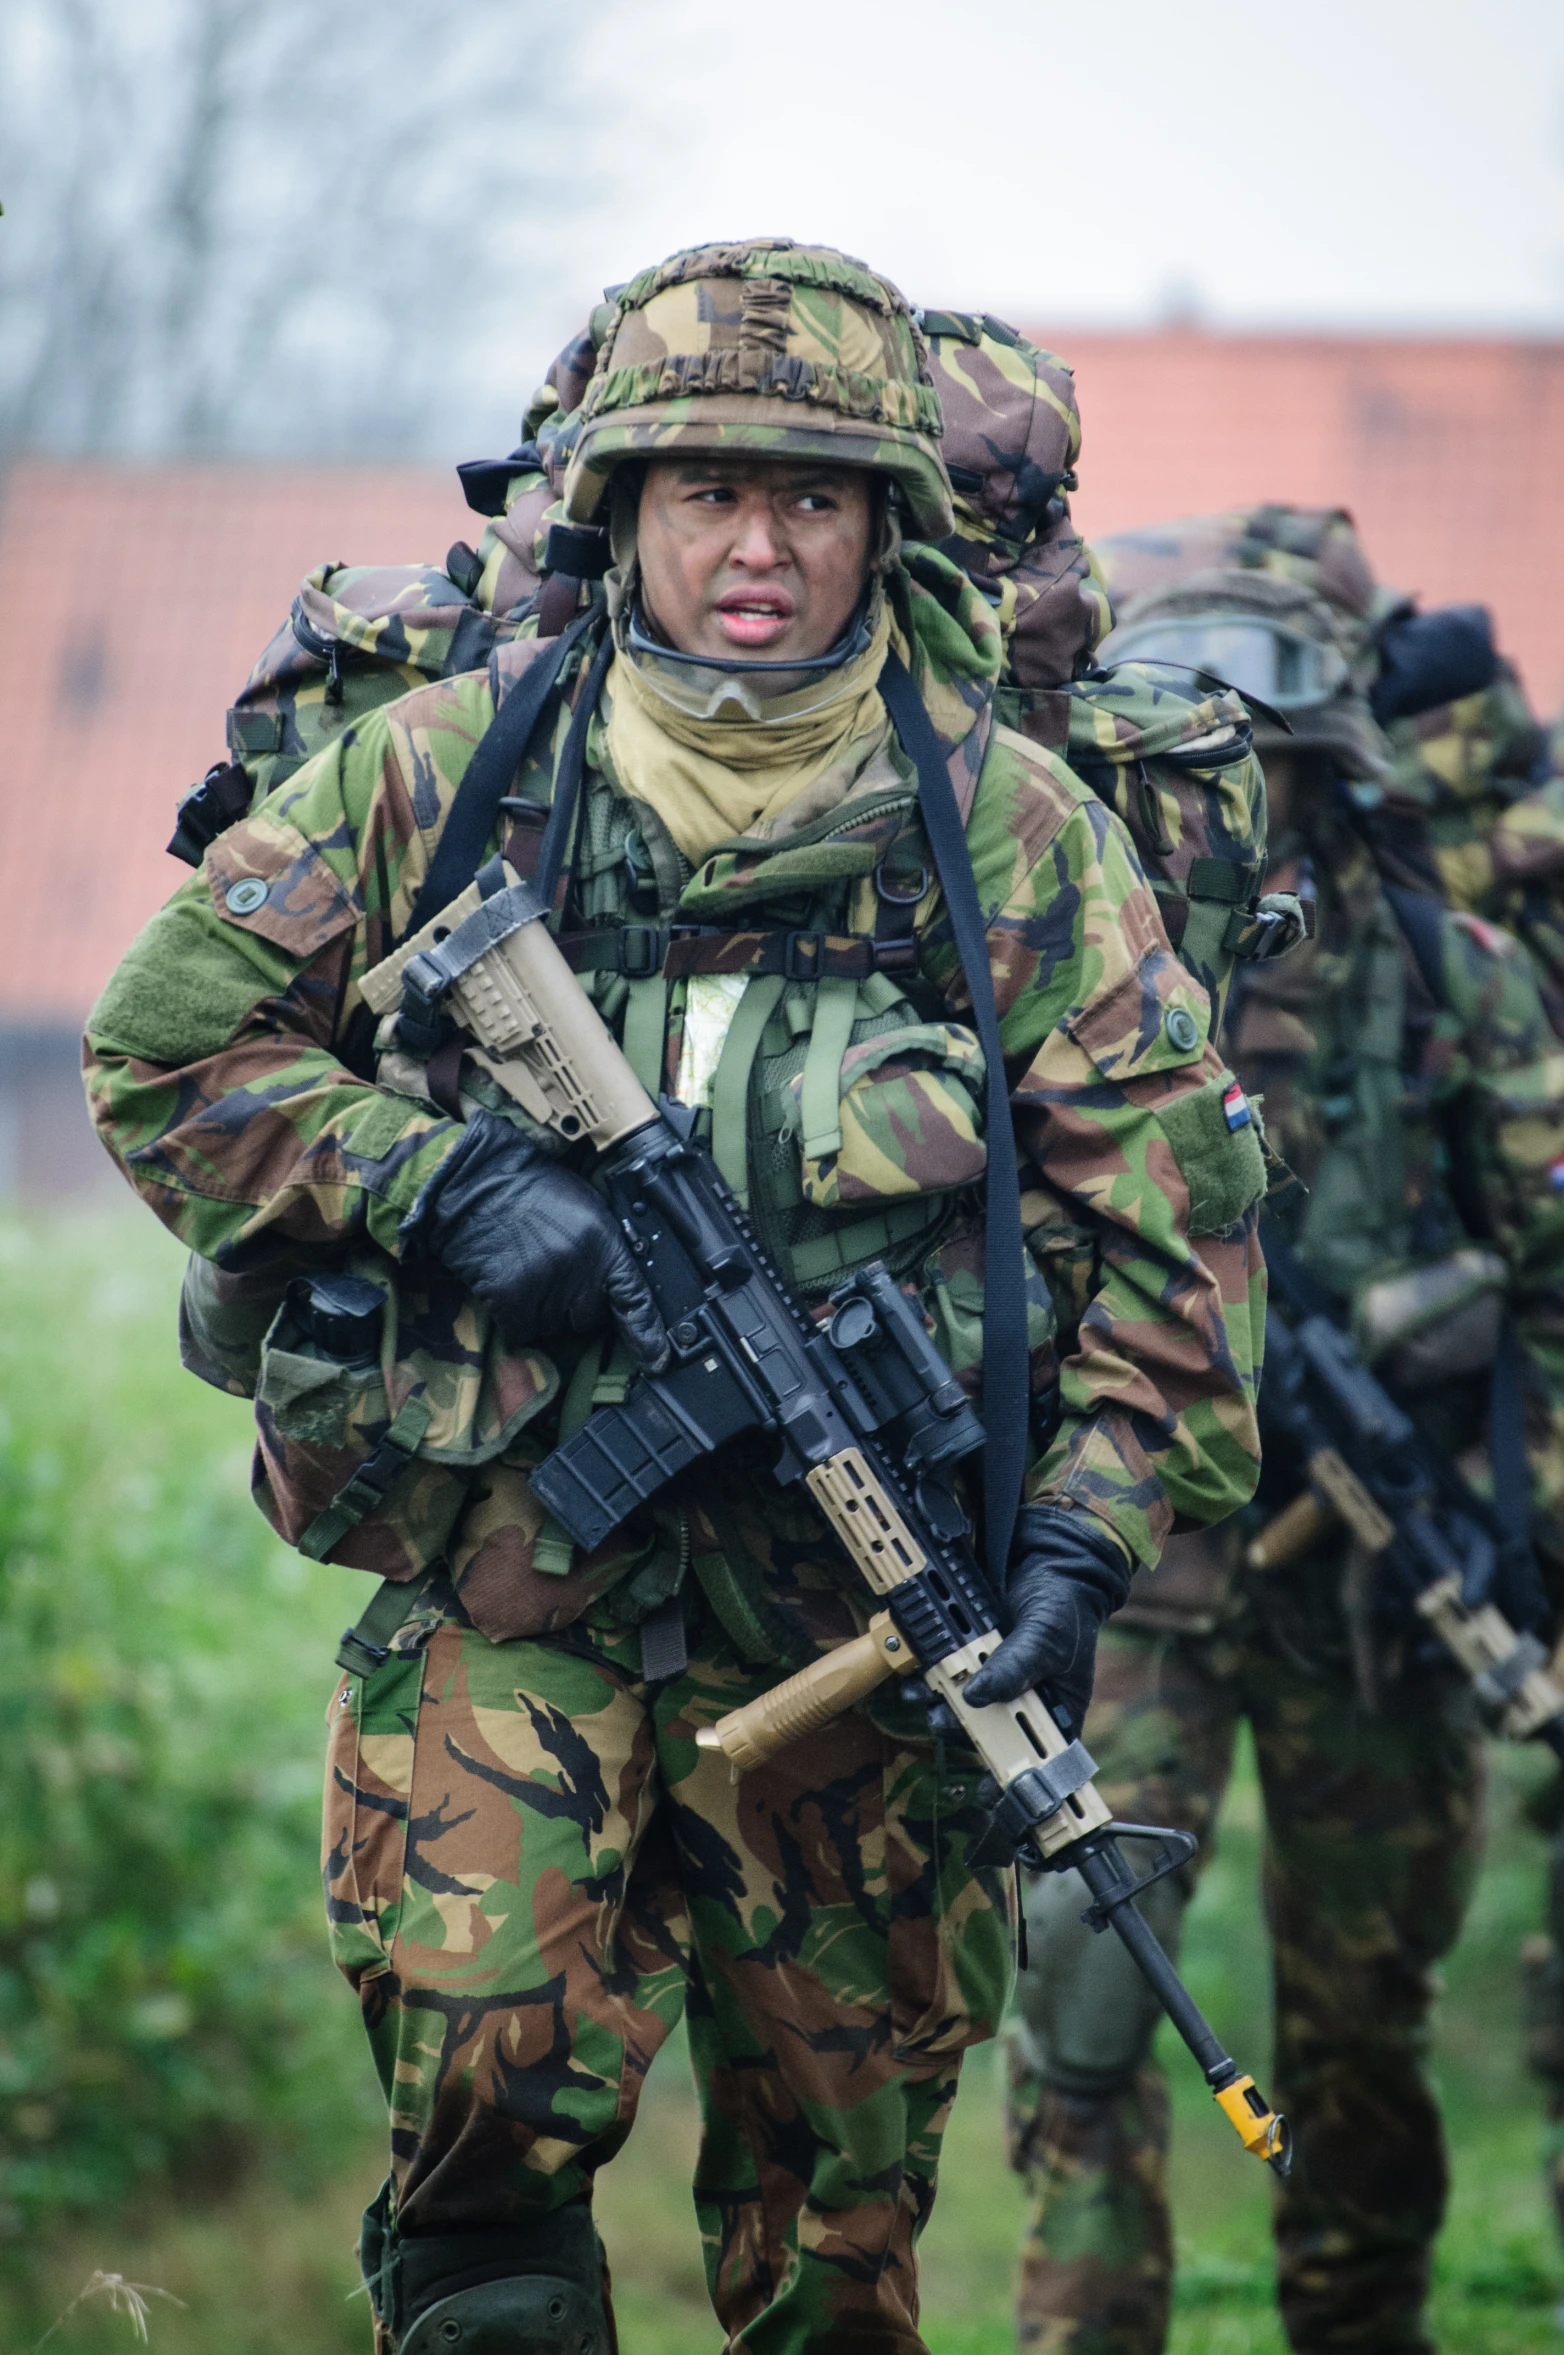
(496, 757)
(1006, 1359)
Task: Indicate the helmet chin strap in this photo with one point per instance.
(851, 643)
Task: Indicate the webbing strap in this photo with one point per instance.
(374, 1480)
(497, 756)
(730, 1081)
(1006, 1364)
(367, 1644)
(679, 951)
(645, 1029)
(836, 1002)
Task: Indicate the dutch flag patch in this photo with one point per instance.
(1235, 1107)
(1556, 1174)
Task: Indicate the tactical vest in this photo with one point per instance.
(845, 1108)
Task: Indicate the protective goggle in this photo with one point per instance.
(1276, 666)
(715, 686)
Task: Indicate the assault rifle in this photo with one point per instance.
(864, 1410)
(1368, 1469)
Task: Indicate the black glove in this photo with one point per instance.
(1066, 1575)
(533, 1242)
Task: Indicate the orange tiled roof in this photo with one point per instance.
(133, 602)
(1450, 455)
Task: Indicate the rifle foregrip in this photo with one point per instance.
(1296, 1527)
(809, 1700)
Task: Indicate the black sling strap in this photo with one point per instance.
(1006, 1361)
(1422, 922)
(567, 780)
(494, 763)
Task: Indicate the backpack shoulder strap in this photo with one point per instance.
(496, 758)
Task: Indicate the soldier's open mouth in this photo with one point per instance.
(755, 621)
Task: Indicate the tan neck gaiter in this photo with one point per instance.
(712, 779)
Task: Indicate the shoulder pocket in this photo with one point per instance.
(1153, 1018)
(268, 878)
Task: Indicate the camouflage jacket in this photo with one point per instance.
(1484, 776)
(233, 1073)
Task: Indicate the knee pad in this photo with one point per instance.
(1086, 2015)
(517, 2314)
(534, 2288)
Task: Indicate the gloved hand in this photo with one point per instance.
(1066, 1574)
(533, 1242)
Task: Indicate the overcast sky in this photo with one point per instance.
(1323, 162)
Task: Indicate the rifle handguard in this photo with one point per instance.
(809, 1700)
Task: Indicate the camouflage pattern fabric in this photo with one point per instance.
(531, 1871)
(1372, 1838)
(1418, 1120)
(1481, 772)
(771, 349)
(1314, 548)
(531, 1865)
(231, 1056)
(357, 636)
(1012, 438)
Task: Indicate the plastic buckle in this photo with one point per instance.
(640, 951)
(803, 955)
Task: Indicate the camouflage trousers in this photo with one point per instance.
(532, 1870)
(1372, 1834)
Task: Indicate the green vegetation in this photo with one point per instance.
(186, 2097)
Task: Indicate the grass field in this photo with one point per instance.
(178, 1631)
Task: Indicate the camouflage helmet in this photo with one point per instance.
(765, 349)
(1277, 640)
(1318, 547)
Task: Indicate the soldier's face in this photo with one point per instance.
(766, 558)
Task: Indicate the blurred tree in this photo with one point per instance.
(273, 228)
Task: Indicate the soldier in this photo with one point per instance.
(1481, 770)
(1393, 1053)
(531, 1866)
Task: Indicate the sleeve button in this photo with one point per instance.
(1182, 1029)
(249, 893)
